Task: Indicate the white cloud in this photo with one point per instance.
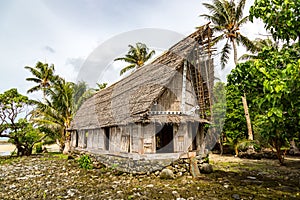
(65, 32)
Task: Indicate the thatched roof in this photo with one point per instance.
(130, 99)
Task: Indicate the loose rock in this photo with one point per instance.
(166, 174)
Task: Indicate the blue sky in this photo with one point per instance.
(65, 32)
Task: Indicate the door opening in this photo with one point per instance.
(164, 139)
(106, 139)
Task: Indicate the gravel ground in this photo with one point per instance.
(52, 176)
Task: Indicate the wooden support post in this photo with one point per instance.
(183, 95)
(194, 169)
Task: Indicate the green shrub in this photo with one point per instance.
(39, 148)
(85, 162)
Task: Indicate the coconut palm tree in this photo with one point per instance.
(43, 76)
(100, 86)
(56, 114)
(227, 19)
(136, 56)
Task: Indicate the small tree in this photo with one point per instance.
(272, 86)
(20, 132)
(219, 111)
(235, 128)
(25, 137)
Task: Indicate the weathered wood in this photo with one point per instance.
(140, 139)
(89, 135)
(190, 136)
(135, 94)
(149, 133)
(157, 87)
(74, 141)
(125, 141)
(135, 139)
(100, 139)
(194, 169)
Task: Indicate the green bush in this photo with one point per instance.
(85, 162)
(39, 148)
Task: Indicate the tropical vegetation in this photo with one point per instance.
(136, 56)
(14, 123)
(269, 78)
(271, 83)
(227, 19)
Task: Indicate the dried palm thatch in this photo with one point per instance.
(130, 99)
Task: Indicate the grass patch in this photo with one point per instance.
(9, 159)
(59, 155)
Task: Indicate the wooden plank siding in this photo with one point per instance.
(149, 138)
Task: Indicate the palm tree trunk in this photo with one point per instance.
(234, 51)
(244, 100)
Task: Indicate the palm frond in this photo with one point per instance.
(136, 56)
(128, 59)
(125, 69)
(36, 80)
(247, 43)
(34, 89)
(34, 71)
(247, 57)
(217, 10)
(147, 57)
(225, 54)
(217, 39)
(243, 21)
(239, 9)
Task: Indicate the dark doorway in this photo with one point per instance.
(106, 138)
(194, 135)
(77, 138)
(164, 139)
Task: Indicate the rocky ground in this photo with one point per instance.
(52, 176)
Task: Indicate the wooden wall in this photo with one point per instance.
(171, 97)
(170, 100)
(149, 138)
(139, 138)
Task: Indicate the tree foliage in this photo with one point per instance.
(101, 86)
(272, 86)
(235, 128)
(14, 109)
(61, 101)
(281, 17)
(227, 18)
(136, 56)
(43, 77)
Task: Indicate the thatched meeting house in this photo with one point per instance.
(160, 108)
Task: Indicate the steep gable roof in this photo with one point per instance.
(131, 98)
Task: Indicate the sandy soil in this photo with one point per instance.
(7, 148)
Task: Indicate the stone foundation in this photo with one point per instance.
(179, 166)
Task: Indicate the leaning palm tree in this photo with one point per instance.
(227, 19)
(136, 57)
(43, 76)
(57, 113)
